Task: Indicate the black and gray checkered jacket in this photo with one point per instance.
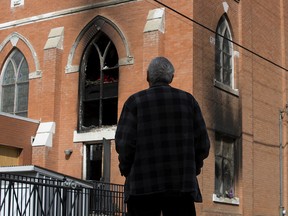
(161, 140)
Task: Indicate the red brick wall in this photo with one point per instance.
(18, 133)
(262, 92)
(256, 25)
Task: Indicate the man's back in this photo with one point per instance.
(161, 139)
(164, 119)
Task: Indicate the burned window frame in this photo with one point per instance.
(94, 158)
(98, 161)
(227, 160)
(224, 62)
(19, 83)
(98, 84)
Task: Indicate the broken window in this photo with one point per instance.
(98, 157)
(99, 84)
(225, 161)
(224, 53)
(15, 85)
(94, 162)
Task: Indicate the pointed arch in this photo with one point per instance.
(220, 9)
(14, 84)
(224, 63)
(19, 41)
(105, 25)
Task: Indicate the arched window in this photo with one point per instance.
(15, 85)
(224, 54)
(99, 84)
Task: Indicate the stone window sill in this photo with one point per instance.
(226, 88)
(226, 200)
(97, 134)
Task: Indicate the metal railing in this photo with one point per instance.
(107, 199)
(25, 196)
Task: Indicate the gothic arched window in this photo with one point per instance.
(99, 84)
(15, 85)
(224, 54)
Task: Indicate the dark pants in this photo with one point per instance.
(169, 205)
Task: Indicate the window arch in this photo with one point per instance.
(224, 71)
(99, 84)
(15, 85)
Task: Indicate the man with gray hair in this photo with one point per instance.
(162, 141)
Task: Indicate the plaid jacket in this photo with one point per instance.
(161, 140)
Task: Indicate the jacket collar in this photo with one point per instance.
(159, 84)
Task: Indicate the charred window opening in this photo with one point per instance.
(98, 159)
(94, 162)
(99, 84)
(225, 166)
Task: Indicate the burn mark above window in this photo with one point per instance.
(99, 84)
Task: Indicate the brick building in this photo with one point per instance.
(68, 66)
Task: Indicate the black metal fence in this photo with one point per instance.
(23, 195)
(107, 199)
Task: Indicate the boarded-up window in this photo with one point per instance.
(9, 156)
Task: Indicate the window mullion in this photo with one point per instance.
(99, 83)
(101, 98)
(15, 98)
(16, 95)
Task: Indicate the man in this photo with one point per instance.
(161, 140)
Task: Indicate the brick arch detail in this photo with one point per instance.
(218, 13)
(103, 24)
(16, 40)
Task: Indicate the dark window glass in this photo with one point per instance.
(99, 84)
(224, 54)
(225, 166)
(15, 85)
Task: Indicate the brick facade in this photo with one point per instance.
(25, 130)
(259, 32)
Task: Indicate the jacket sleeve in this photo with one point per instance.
(125, 140)
(201, 139)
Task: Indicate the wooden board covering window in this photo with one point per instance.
(9, 156)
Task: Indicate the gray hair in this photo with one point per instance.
(160, 69)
